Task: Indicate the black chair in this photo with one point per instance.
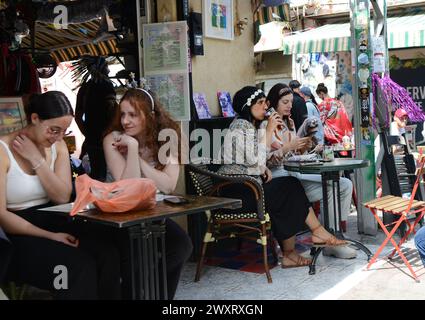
(224, 223)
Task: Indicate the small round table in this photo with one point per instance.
(330, 172)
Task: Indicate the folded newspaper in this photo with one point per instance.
(304, 158)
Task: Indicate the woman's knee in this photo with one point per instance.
(346, 186)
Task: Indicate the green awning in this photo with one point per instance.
(403, 32)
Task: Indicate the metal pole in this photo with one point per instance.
(361, 43)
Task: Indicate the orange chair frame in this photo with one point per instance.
(403, 208)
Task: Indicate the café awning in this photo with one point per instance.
(403, 32)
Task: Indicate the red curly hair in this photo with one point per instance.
(155, 121)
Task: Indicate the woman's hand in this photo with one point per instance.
(123, 142)
(27, 149)
(319, 148)
(66, 239)
(300, 144)
(267, 176)
(291, 122)
(274, 122)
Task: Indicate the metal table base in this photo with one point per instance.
(334, 178)
(148, 261)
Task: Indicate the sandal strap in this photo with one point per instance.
(301, 261)
(331, 241)
(287, 253)
(317, 228)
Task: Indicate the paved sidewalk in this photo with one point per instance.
(3, 296)
(335, 279)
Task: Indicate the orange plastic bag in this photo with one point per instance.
(122, 196)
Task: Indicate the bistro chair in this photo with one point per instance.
(225, 224)
(403, 209)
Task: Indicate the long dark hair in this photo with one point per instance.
(275, 94)
(313, 99)
(159, 120)
(49, 105)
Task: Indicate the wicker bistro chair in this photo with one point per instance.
(225, 224)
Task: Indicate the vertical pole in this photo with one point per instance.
(364, 134)
(143, 16)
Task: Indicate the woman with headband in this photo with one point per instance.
(245, 152)
(132, 150)
(280, 98)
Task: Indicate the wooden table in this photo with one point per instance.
(330, 172)
(146, 230)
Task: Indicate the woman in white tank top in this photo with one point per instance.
(34, 171)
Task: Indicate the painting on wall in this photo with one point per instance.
(218, 19)
(12, 115)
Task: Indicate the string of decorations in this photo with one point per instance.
(395, 97)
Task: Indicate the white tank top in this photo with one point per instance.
(24, 191)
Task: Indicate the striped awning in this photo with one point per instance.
(403, 32)
(264, 15)
(68, 44)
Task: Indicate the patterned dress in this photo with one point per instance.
(285, 198)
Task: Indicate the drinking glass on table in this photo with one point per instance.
(328, 153)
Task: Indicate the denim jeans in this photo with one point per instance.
(420, 243)
(312, 184)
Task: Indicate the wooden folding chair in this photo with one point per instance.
(402, 208)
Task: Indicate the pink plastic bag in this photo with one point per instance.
(122, 196)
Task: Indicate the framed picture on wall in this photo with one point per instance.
(218, 19)
(166, 10)
(12, 115)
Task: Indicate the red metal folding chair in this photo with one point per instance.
(402, 208)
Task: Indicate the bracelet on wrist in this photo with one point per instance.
(39, 164)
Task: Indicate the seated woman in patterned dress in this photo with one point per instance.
(245, 152)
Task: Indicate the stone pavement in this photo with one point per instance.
(335, 279)
(2, 295)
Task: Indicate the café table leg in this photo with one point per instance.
(158, 231)
(316, 255)
(139, 259)
(336, 230)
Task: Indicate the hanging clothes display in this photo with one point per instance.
(18, 74)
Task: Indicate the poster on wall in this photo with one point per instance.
(172, 91)
(166, 66)
(165, 47)
(218, 19)
(12, 115)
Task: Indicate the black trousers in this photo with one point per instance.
(178, 250)
(5, 254)
(93, 269)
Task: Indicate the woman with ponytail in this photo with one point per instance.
(34, 173)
